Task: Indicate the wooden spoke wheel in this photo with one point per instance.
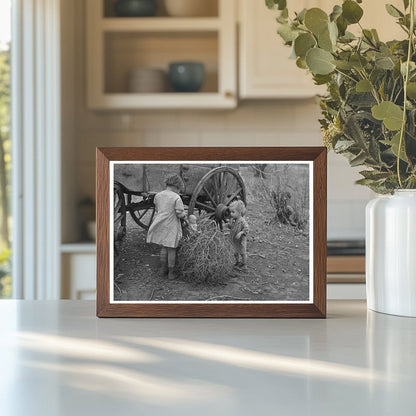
(142, 211)
(119, 212)
(215, 192)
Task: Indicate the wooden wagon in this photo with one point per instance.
(208, 189)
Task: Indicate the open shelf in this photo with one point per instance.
(160, 24)
(127, 51)
(116, 46)
(211, 9)
(168, 100)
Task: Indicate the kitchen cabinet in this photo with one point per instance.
(118, 45)
(265, 70)
(78, 263)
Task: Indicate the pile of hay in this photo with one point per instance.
(205, 256)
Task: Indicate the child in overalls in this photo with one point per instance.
(166, 229)
(238, 232)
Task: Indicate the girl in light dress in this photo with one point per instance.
(166, 229)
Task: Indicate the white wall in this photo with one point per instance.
(253, 123)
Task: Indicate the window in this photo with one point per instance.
(5, 147)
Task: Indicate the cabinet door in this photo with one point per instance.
(376, 17)
(266, 71)
(265, 68)
(78, 276)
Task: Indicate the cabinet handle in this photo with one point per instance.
(229, 94)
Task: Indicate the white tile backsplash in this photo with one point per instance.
(170, 138)
(346, 219)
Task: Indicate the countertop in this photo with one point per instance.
(57, 358)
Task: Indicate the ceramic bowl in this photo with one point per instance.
(147, 80)
(135, 8)
(191, 8)
(186, 76)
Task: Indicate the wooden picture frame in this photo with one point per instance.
(312, 305)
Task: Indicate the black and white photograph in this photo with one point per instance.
(211, 232)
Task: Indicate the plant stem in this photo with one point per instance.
(373, 88)
(406, 79)
(346, 75)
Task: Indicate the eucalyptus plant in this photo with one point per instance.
(369, 111)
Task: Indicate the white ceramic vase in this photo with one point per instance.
(391, 253)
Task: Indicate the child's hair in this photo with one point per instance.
(192, 218)
(239, 207)
(174, 179)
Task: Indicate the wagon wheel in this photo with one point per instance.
(119, 220)
(215, 192)
(143, 211)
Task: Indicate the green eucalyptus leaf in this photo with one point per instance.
(282, 4)
(301, 63)
(412, 67)
(301, 15)
(271, 4)
(368, 36)
(344, 65)
(384, 62)
(316, 20)
(361, 100)
(281, 19)
(336, 12)
(363, 86)
(365, 182)
(287, 33)
(358, 160)
(354, 132)
(334, 91)
(325, 42)
(333, 32)
(347, 37)
(375, 35)
(377, 75)
(276, 4)
(358, 61)
(393, 11)
(411, 90)
(374, 150)
(285, 13)
(406, 4)
(321, 79)
(374, 174)
(411, 123)
(319, 61)
(385, 50)
(351, 11)
(391, 114)
(342, 25)
(394, 145)
(405, 21)
(303, 43)
(382, 89)
(343, 145)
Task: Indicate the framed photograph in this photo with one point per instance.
(211, 232)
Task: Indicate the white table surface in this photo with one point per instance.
(57, 358)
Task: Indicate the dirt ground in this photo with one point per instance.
(277, 269)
